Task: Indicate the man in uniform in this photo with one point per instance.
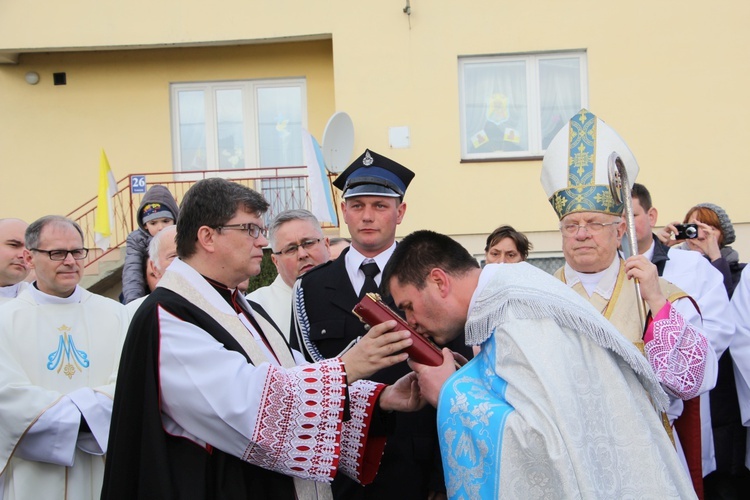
(298, 244)
(575, 177)
(59, 350)
(13, 268)
(211, 401)
(373, 189)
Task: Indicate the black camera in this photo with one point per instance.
(686, 231)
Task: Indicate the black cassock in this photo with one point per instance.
(143, 461)
(411, 465)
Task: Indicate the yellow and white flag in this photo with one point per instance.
(104, 218)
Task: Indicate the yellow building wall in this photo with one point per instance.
(671, 77)
(120, 101)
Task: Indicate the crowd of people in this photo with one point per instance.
(573, 385)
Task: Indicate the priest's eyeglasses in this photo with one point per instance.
(253, 230)
(292, 249)
(592, 228)
(76, 253)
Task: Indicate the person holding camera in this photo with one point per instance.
(722, 434)
(707, 229)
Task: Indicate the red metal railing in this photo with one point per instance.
(283, 187)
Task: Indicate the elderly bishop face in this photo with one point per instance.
(590, 240)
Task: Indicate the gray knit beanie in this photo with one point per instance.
(726, 225)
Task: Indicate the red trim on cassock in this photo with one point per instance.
(361, 453)
(298, 429)
(373, 446)
(688, 428)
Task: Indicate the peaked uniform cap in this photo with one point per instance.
(374, 175)
(575, 172)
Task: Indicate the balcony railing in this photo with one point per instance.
(283, 187)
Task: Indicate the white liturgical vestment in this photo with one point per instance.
(10, 292)
(58, 362)
(276, 300)
(703, 282)
(740, 309)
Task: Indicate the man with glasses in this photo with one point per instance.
(298, 245)
(211, 401)
(575, 177)
(59, 351)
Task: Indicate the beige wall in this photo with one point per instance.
(670, 77)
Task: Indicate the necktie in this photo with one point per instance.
(371, 270)
(241, 310)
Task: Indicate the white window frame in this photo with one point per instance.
(251, 139)
(535, 150)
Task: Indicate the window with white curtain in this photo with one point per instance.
(513, 105)
(238, 125)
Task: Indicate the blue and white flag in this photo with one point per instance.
(321, 198)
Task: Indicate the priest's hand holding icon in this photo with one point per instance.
(379, 349)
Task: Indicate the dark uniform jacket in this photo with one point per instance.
(411, 465)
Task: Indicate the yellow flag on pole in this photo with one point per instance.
(104, 218)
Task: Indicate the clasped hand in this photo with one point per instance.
(379, 349)
(432, 378)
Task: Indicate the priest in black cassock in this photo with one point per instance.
(210, 400)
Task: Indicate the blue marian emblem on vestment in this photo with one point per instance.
(67, 357)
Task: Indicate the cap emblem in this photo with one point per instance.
(367, 160)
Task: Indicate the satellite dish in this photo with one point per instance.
(338, 142)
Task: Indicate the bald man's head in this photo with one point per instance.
(13, 268)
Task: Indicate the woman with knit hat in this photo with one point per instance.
(715, 234)
(731, 478)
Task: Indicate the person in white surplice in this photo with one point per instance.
(297, 245)
(740, 311)
(213, 404)
(59, 350)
